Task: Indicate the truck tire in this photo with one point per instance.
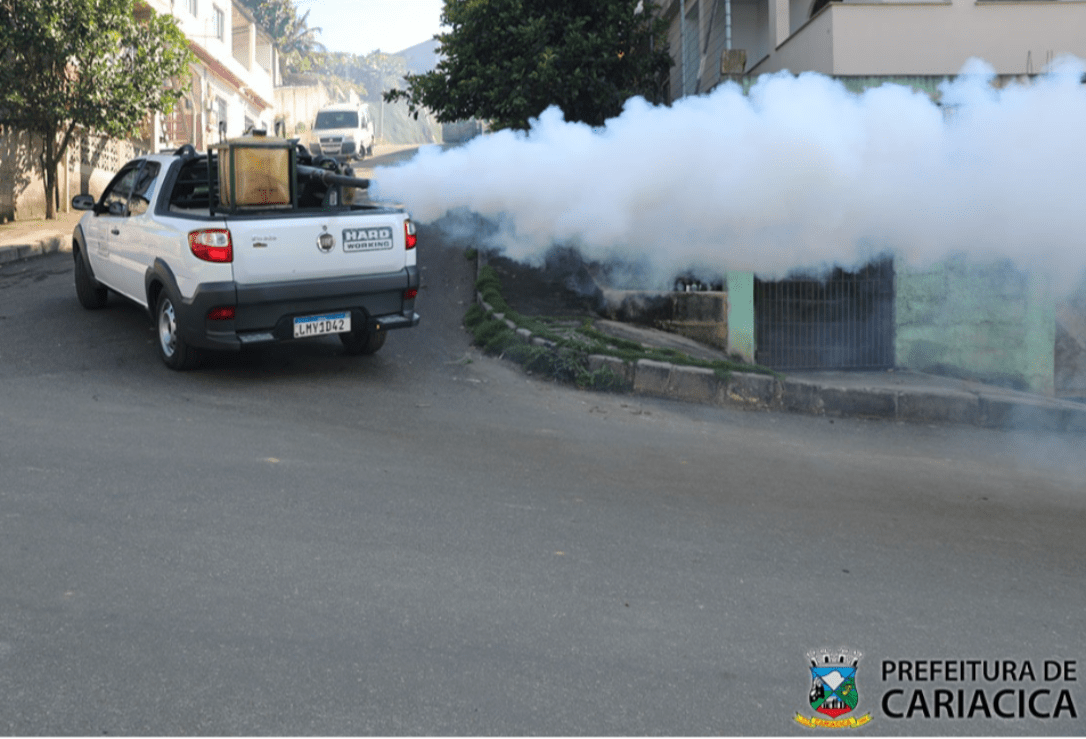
(175, 352)
(91, 294)
(363, 342)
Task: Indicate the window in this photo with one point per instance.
(115, 198)
(220, 25)
(191, 188)
(127, 193)
(336, 119)
(139, 202)
(220, 115)
(193, 7)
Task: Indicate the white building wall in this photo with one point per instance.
(799, 11)
(239, 68)
(876, 38)
(932, 38)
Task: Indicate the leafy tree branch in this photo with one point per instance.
(66, 64)
(506, 61)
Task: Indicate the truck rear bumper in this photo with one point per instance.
(266, 313)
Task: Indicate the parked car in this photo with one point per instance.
(342, 132)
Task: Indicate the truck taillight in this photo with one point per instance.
(222, 313)
(212, 245)
(410, 293)
(409, 234)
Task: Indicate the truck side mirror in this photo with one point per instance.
(83, 202)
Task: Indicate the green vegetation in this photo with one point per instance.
(95, 64)
(573, 343)
(506, 61)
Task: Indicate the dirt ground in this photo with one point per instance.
(561, 288)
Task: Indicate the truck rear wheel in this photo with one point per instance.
(173, 349)
(363, 342)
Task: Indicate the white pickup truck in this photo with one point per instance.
(285, 254)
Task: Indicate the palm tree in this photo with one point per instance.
(292, 35)
(298, 43)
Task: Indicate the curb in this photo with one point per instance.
(39, 247)
(748, 390)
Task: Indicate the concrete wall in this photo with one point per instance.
(701, 316)
(298, 106)
(991, 323)
(91, 163)
(17, 175)
(720, 319)
(1071, 343)
(809, 50)
(865, 38)
(932, 38)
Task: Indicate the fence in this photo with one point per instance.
(845, 321)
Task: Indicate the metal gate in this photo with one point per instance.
(843, 322)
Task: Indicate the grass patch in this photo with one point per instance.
(567, 360)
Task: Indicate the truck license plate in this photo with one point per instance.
(329, 323)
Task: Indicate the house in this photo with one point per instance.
(232, 79)
(988, 322)
(711, 39)
(231, 89)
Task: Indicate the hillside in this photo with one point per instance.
(395, 125)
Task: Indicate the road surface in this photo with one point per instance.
(429, 541)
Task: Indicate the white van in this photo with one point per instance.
(342, 132)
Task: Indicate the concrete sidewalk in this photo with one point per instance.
(22, 239)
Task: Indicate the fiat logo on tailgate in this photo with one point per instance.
(326, 242)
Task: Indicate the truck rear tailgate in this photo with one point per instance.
(297, 248)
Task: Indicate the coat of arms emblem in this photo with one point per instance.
(833, 687)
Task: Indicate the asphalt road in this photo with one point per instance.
(428, 541)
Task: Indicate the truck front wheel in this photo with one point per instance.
(91, 294)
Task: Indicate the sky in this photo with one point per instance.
(362, 26)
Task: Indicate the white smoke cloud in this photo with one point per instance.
(799, 173)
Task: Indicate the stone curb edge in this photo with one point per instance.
(48, 245)
(741, 389)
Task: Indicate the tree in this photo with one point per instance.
(296, 41)
(91, 63)
(506, 61)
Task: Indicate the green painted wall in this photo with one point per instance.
(991, 323)
(741, 314)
